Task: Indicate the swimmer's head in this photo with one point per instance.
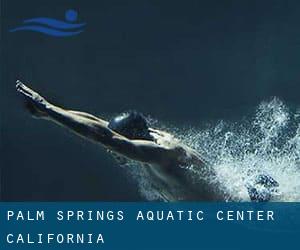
(132, 125)
(263, 188)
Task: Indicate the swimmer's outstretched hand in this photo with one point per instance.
(35, 103)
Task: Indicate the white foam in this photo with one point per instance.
(268, 142)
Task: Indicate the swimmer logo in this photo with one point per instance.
(53, 27)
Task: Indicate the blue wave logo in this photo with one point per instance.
(53, 27)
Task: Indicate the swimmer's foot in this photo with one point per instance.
(34, 103)
(263, 188)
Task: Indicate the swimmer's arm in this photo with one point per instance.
(142, 150)
(96, 129)
(83, 124)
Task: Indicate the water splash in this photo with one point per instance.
(267, 142)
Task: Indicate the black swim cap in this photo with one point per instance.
(132, 125)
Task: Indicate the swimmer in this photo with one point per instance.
(129, 136)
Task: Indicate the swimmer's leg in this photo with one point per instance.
(35, 104)
(33, 101)
(98, 131)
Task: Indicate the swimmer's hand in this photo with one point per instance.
(35, 103)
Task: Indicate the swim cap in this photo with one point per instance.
(132, 125)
